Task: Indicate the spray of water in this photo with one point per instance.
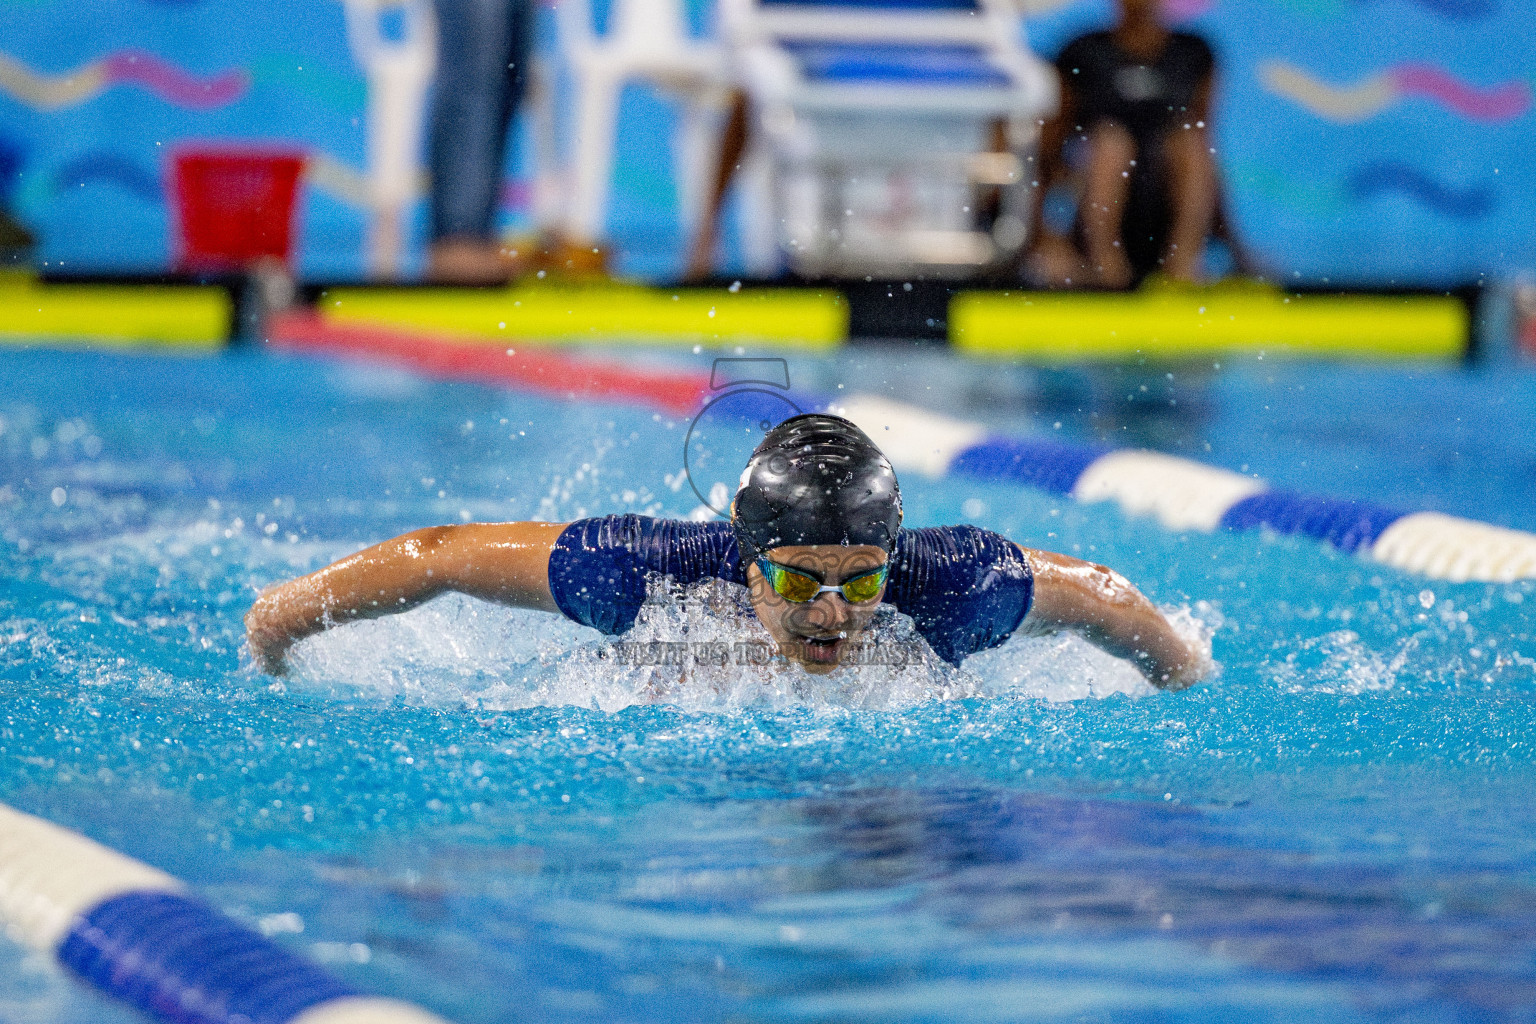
(1340, 662)
(700, 649)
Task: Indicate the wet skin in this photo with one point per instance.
(503, 562)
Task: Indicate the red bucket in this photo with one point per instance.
(235, 206)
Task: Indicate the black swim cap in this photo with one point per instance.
(816, 479)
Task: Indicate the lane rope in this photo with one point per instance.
(139, 936)
(1185, 495)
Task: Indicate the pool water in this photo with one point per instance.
(468, 807)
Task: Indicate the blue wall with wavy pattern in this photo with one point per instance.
(1363, 141)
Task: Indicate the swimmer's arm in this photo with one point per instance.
(1112, 614)
(503, 562)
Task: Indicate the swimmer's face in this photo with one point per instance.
(816, 634)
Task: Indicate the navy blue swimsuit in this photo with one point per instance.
(965, 588)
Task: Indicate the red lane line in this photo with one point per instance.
(529, 369)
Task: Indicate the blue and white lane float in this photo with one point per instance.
(138, 935)
(1189, 496)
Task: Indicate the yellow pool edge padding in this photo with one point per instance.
(803, 319)
(123, 317)
(1056, 327)
(1161, 323)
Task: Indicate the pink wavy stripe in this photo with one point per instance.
(171, 83)
(1496, 103)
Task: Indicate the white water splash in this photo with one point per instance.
(700, 649)
(447, 652)
(1065, 667)
(726, 662)
(1339, 662)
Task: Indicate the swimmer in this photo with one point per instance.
(815, 535)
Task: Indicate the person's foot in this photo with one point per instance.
(1112, 270)
(565, 258)
(472, 261)
(1055, 263)
(1187, 266)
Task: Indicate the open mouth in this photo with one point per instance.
(821, 649)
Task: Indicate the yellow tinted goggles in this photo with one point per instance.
(799, 586)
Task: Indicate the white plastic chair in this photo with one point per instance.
(399, 73)
(647, 41)
(872, 131)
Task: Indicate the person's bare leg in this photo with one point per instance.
(701, 251)
(1054, 262)
(1106, 184)
(1192, 195)
(467, 260)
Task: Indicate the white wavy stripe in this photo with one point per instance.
(346, 184)
(366, 1010)
(50, 875)
(1445, 547)
(339, 181)
(1183, 495)
(912, 438)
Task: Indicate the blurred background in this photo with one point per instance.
(1361, 144)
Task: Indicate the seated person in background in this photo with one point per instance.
(1137, 100)
(815, 536)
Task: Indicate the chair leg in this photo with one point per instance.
(548, 207)
(586, 217)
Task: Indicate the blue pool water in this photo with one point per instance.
(461, 806)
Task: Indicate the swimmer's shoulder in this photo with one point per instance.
(685, 550)
(638, 532)
(965, 588)
(959, 542)
(956, 561)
